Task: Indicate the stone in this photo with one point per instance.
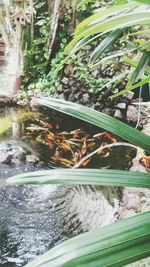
(61, 96)
(68, 69)
(60, 88)
(65, 80)
(78, 95)
(32, 159)
(118, 114)
(67, 92)
(132, 113)
(74, 90)
(108, 111)
(121, 105)
(146, 129)
(72, 98)
(86, 98)
(129, 95)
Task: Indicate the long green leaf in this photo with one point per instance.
(134, 63)
(111, 246)
(111, 38)
(103, 177)
(126, 20)
(143, 1)
(144, 81)
(99, 119)
(103, 14)
(140, 69)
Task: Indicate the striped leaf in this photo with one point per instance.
(122, 21)
(140, 68)
(111, 38)
(141, 83)
(115, 245)
(104, 177)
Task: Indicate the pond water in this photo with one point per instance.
(33, 219)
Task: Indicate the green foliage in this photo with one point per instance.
(36, 49)
(38, 68)
(121, 15)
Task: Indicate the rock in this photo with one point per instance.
(121, 105)
(146, 129)
(84, 89)
(108, 111)
(71, 82)
(74, 90)
(61, 96)
(13, 152)
(132, 113)
(67, 92)
(78, 95)
(129, 95)
(86, 98)
(68, 69)
(118, 114)
(72, 98)
(98, 105)
(60, 88)
(65, 80)
(32, 159)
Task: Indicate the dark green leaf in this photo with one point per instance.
(140, 68)
(111, 246)
(144, 81)
(111, 38)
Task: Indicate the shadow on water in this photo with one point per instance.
(35, 218)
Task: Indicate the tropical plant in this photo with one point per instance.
(113, 22)
(115, 245)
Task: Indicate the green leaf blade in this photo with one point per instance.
(104, 45)
(100, 120)
(140, 68)
(114, 245)
(104, 177)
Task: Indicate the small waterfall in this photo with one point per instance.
(10, 69)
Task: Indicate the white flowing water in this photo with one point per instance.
(11, 68)
(9, 73)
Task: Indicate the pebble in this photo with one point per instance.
(32, 159)
(121, 105)
(61, 96)
(118, 114)
(146, 128)
(60, 88)
(72, 97)
(86, 98)
(65, 80)
(67, 92)
(132, 113)
(129, 95)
